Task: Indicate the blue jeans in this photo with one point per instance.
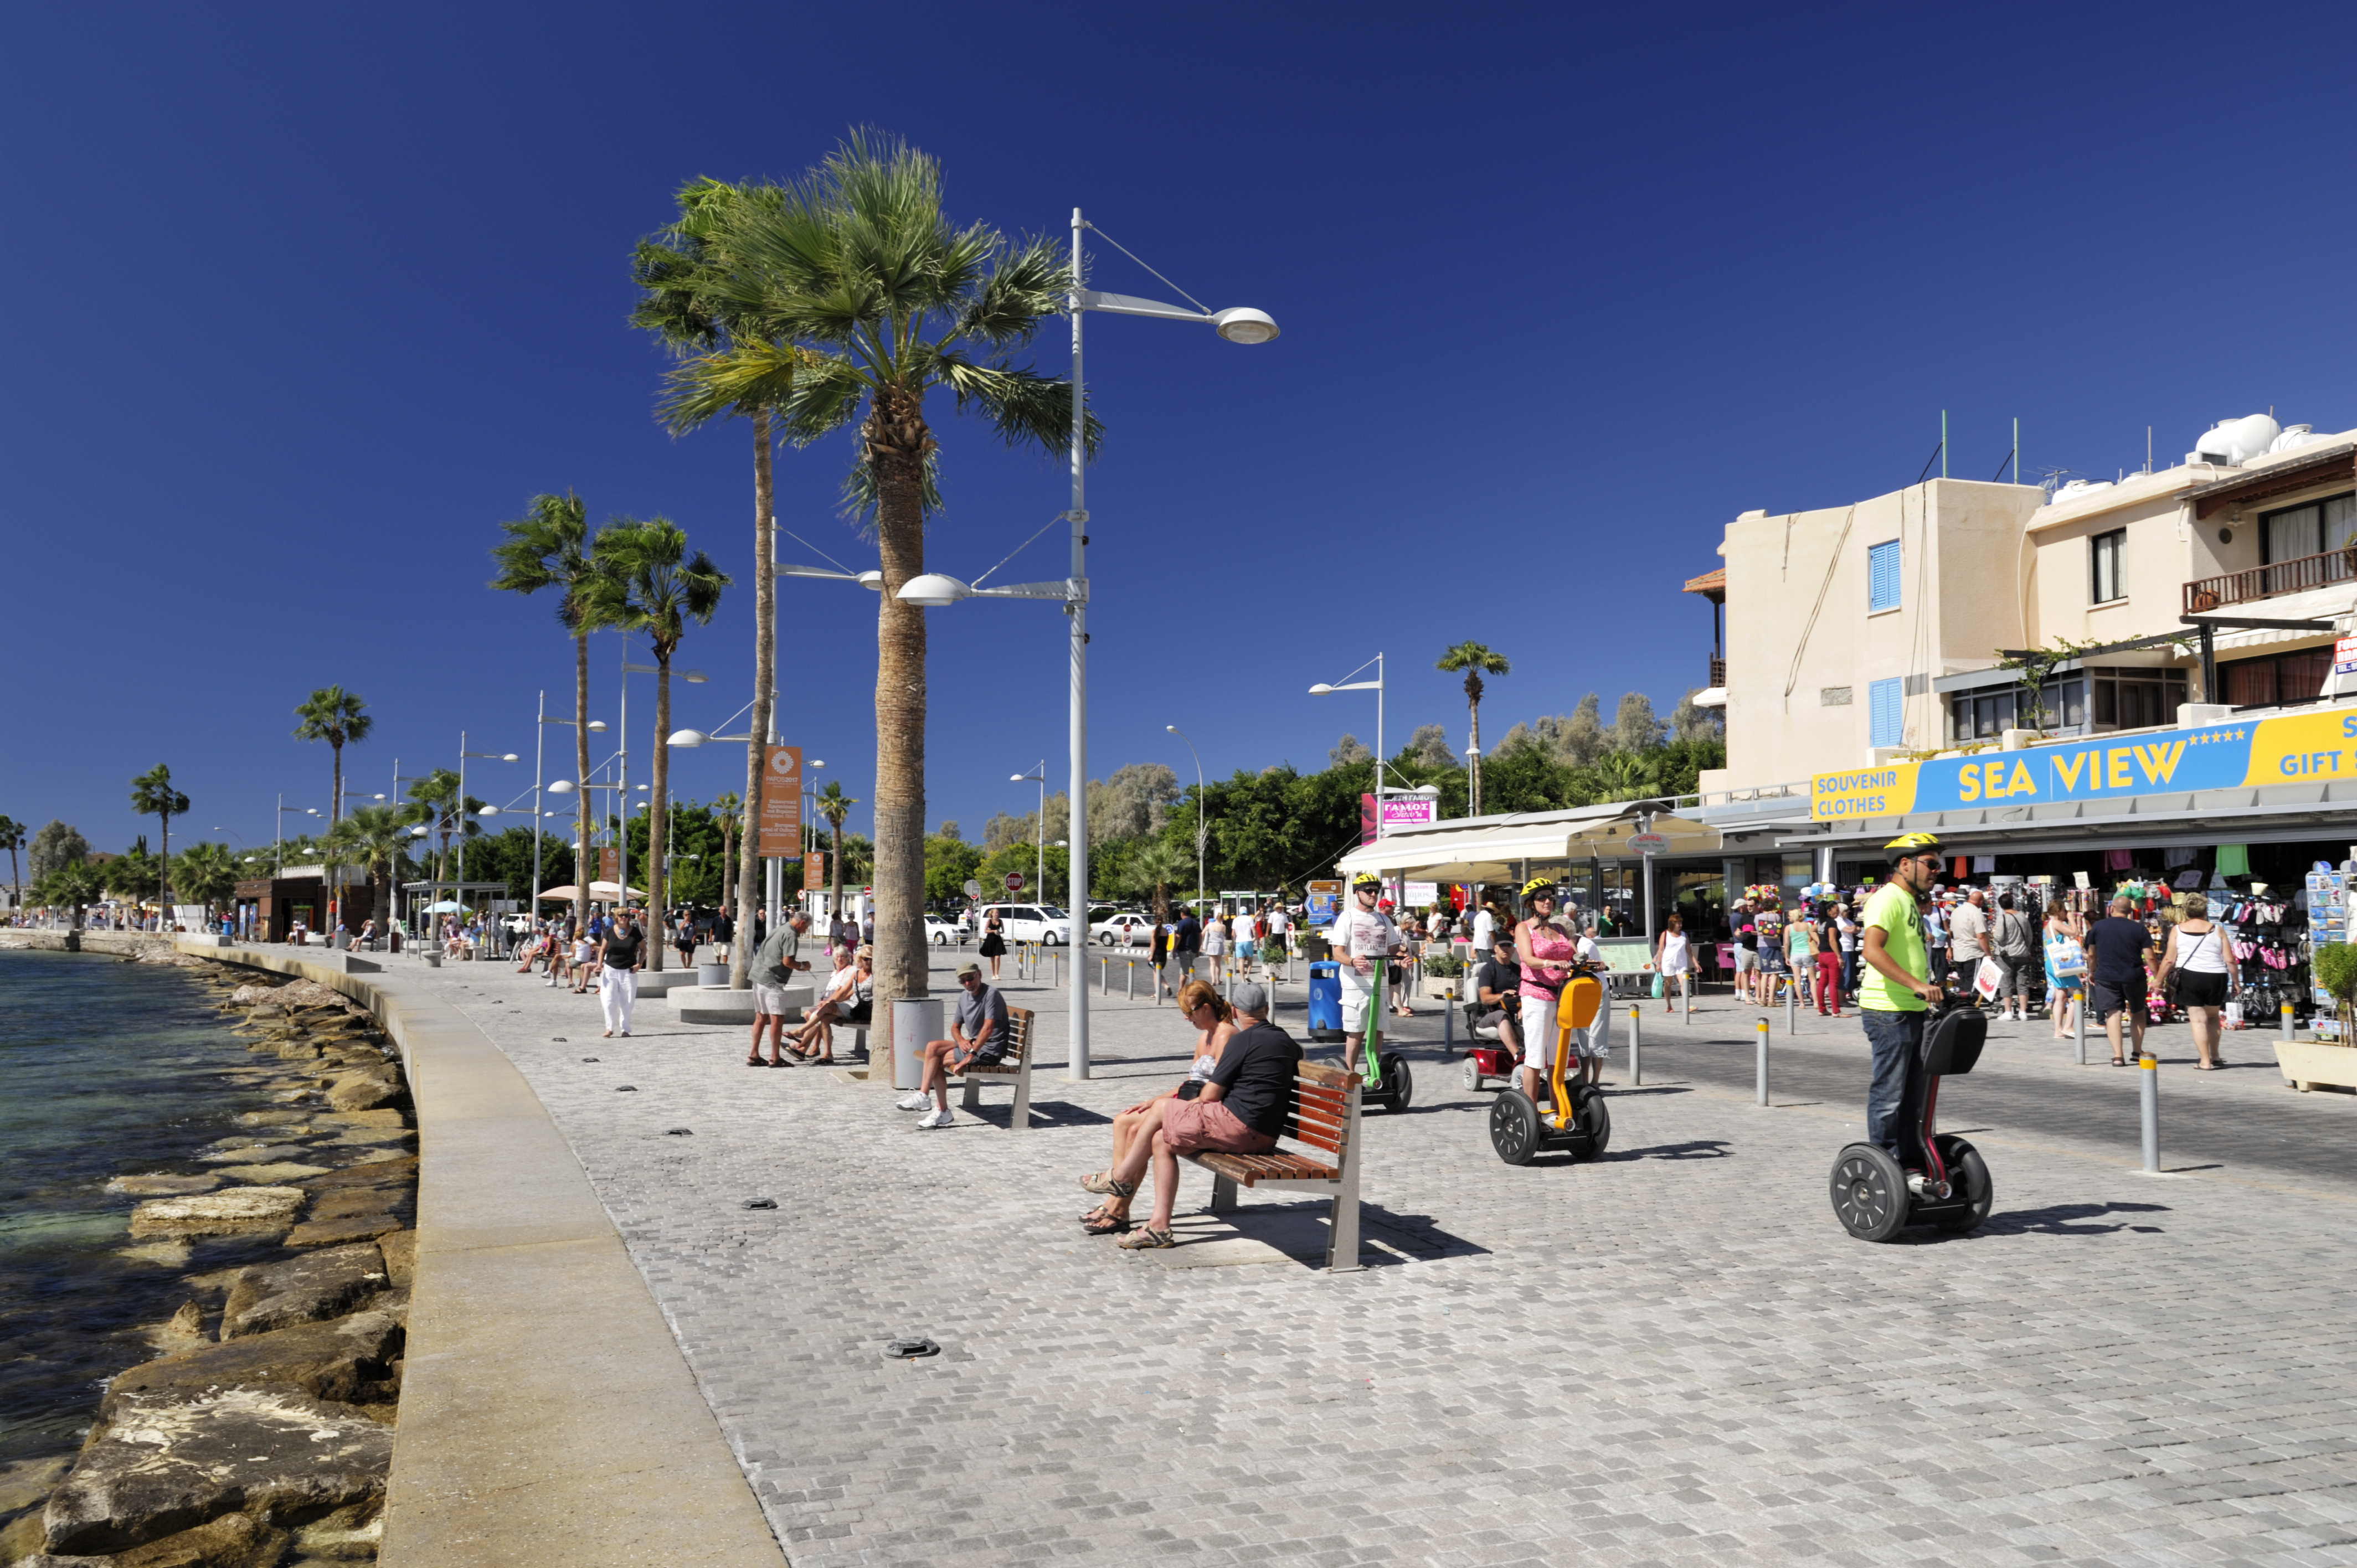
(1895, 1037)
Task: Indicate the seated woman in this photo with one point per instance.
(817, 1024)
(1215, 1026)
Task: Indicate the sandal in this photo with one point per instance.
(1106, 1225)
(755, 1061)
(2119, 1061)
(1147, 1240)
(1103, 1181)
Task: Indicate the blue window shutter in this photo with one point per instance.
(1886, 714)
(1882, 576)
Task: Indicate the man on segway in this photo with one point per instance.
(1361, 935)
(1897, 992)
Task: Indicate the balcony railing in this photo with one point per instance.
(1718, 675)
(2292, 577)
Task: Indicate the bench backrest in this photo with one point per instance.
(1018, 1033)
(1319, 1113)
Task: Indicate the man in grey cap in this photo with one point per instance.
(1240, 1110)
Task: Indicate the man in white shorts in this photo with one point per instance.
(775, 962)
(1592, 1045)
(1361, 935)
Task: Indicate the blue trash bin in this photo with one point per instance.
(1326, 1002)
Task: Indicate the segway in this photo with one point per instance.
(1936, 1178)
(1387, 1082)
(1575, 1120)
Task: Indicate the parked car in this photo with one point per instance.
(1124, 930)
(1042, 923)
(942, 932)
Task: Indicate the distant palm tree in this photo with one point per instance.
(834, 805)
(1626, 776)
(433, 800)
(76, 885)
(859, 265)
(647, 583)
(733, 367)
(1476, 660)
(1154, 870)
(340, 718)
(548, 547)
(152, 795)
(725, 809)
(11, 838)
(205, 874)
(374, 838)
(133, 875)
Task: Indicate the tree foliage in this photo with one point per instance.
(55, 845)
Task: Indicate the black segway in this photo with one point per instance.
(1936, 1178)
(1386, 1081)
(1576, 1120)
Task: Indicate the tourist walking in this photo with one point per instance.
(1829, 963)
(1674, 959)
(2207, 973)
(2010, 944)
(1747, 952)
(994, 941)
(1846, 931)
(1968, 934)
(620, 957)
(2066, 966)
(1215, 946)
(1801, 951)
(2115, 976)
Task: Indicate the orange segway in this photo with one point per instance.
(1575, 1120)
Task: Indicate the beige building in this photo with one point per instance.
(1871, 631)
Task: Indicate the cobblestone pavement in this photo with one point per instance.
(1672, 1354)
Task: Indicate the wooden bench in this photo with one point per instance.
(1016, 1064)
(1324, 1114)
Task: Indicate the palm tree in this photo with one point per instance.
(724, 809)
(1627, 776)
(858, 265)
(152, 795)
(834, 805)
(730, 370)
(647, 583)
(205, 874)
(1476, 660)
(433, 800)
(549, 547)
(1154, 869)
(75, 884)
(374, 837)
(12, 839)
(133, 875)
(337, 717)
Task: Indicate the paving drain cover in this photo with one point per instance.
(626, 1089)
(761, 1203)
(556, 1040)
(679, 1133)
(910, 1349)
(588, 1058)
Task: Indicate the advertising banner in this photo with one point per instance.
(2239, 754)
(1398, 813)
(610, 863)
(781, 803)
(1420, 893)
(815, 871)
(1325, 902)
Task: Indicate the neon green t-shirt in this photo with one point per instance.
(1892, 908)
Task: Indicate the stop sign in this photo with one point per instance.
(1015, 882)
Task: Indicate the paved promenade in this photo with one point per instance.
(1671, 1356)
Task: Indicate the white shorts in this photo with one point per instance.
(1594, 1042)
(770, 999)
(1745, 958)
(1358, 990)
(1536, 1025)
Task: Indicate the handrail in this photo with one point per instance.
(2256, 583)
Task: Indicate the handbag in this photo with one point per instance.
(1657, 986)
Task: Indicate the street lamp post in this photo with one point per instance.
(692, 739)
(1377, 686)
(1041, 873)
(1202, 815)
(460, 811)
(278, 834)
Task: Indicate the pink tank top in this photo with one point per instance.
(1545, 948)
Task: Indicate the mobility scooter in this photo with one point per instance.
(1936, 1178)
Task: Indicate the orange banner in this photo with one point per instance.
(610, 863)
(815, 871)
(781, 803)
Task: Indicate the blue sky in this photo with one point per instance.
(306, 300)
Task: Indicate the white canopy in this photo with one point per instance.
(2313, 604)
(1486, 849)
(604, 892)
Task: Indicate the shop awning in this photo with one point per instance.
(2266, 813)
(1488, 850)
(2313, 604)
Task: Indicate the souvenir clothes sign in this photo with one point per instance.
(2247, 753)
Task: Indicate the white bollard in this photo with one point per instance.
(1636, 1046)
(2149, 1092)
(1763, 1062)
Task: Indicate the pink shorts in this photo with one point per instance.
(1188, 1125)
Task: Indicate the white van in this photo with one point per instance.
(1042, 923)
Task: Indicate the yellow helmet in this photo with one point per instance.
(1365, 879)
(1537, 886)
(1906, 844)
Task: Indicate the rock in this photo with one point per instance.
(302, 1290)
(27, 1481)
(400, 1252)
(335, 1539)
(281, 1120)
(165, 1462)
(252, 1154)
(376, 1159)
(21, 1541)
(218, 1213)
(254, 994)
(172, 1254)
(344, 1202)
(233, 1541)
(335, 1233)
(364, 1118)
(371, 1172)
(158, 1185)
(280, 1171)
(370, 1137)
(331, 1360)
(298, 1051)
(363, 1092)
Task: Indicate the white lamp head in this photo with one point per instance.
(560, 786)
(931, 590)
(489, 812)
(1241, 323)
(596, 723)
(695, 677)
(690, 738)
(510, 756)
(873, 580)
(418, 832)
(1322, 690)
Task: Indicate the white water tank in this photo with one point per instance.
(2294, 435)
(2234, 442)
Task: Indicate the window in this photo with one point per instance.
(2104, 581)
(1882, 580)
(2310, 530)
(1887, 713)
(2279, 680)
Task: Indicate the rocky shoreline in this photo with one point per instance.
(260, 1435)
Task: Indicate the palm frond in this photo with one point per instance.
(1025, 407)
(1030, 283)
(859, 491)
(738, 378)
(826, 394)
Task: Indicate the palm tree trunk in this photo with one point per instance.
(896, 437)
(335, 785)
(765, 681)
(164, 873)
(1473, 772)
(584, 862)
(834, 837)
(658, 815)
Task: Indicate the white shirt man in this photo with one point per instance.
(1485, 930)
(1361, 934)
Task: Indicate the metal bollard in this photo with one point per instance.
(2286, 1020)
(2148, 1091)
(1791, 1010)
(1056, 968)
(1636, 1046)
(1133, 982)
(1448, 1024)
(2079, 1027)
(1686, 990)
(1104, 975)
(1763, 1061)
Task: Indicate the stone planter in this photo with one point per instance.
(712, 974)
(2307, 1063)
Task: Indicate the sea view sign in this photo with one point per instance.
(781, 804)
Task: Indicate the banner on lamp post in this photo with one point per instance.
(781, 803)
(610, 863)
(815, 871)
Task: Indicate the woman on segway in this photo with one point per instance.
(1546, 953)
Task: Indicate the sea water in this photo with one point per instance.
(107, 1069)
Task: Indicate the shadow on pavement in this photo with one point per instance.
(1296, 1233)
(2066, 1219)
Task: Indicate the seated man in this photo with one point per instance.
(978, 1038)
(1240, 1110)
(1496, 993)
(831, 1006)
